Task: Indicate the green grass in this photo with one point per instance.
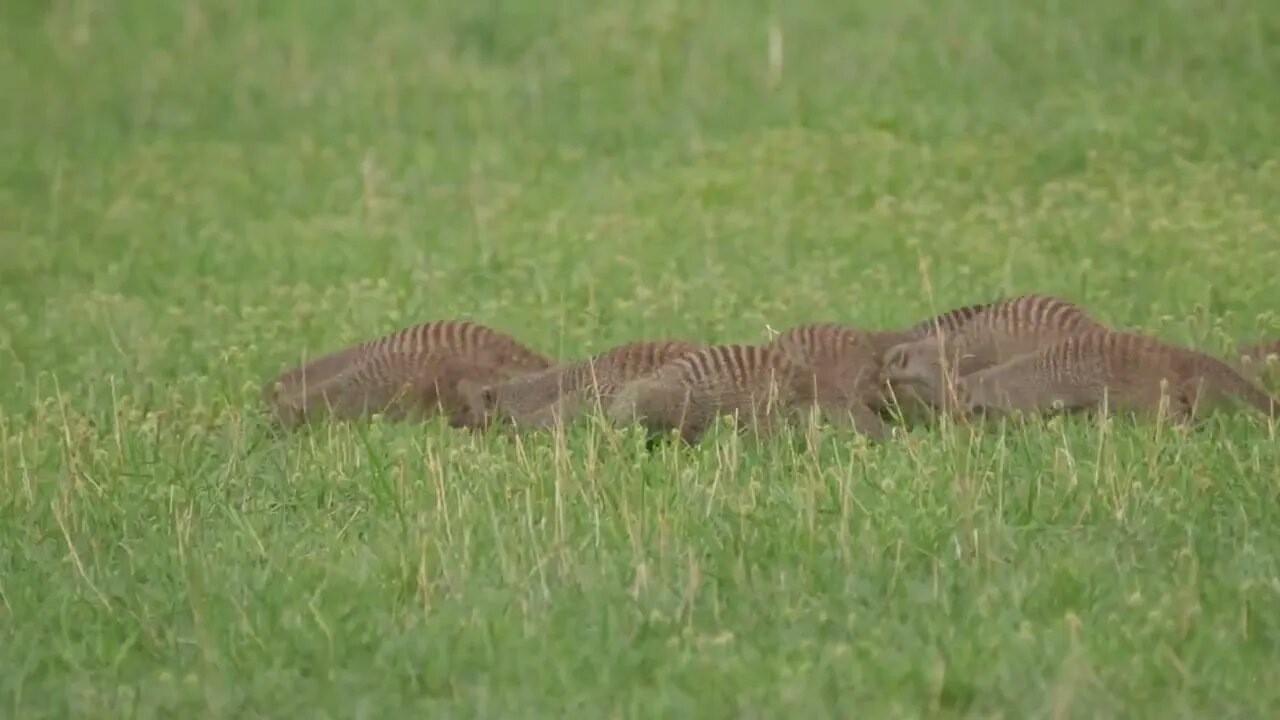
(194, 193)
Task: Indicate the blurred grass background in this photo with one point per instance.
(194, 194)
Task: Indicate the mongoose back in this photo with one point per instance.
(412, 372)
(758, 384)
(1126, 371)
(948, 322)
(841, 357)
(561, 392)
(951, 320)
(987, 336)
(902, 395)
(850, 360)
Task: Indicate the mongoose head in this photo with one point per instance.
(976, 399)
(921, 364)
(983, 395)
(980, 395)
(479, 404)
(488, 406)
(911, 362)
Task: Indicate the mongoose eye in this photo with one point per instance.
(488, 398)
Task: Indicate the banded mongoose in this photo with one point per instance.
(843, 358)
(758, 384)
(903, 397)
(998, 332)
(413, 372)
(831, 366)
(1129, 372)
(949, 321)
(560, 393)
(946, 322)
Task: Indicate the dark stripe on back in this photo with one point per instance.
(951, 320)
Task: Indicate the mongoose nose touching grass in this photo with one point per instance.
(412, 373)
(989, 336)
(560, 393)
(759, 385)
(1031, 354)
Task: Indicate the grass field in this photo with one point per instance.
(194, 194)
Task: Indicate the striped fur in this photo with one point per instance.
(1126, 371)
(413, 372)
(846, 359)
(560, 393)
(999, 331)
(761, 385)
(1260, 361)
(951, 320)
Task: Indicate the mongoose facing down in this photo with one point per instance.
(841, 358)
(851, 358)
(902, 396)
(758, 384)
(1127, 372)
(560, 393)
(997, 332)
(413, 372)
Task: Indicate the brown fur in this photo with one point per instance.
(990, 335)
(948, 322)
(1129, 372)
(845, 357)
(851, 359)
(758, 384)
(951, 320)
(560, 393)
(411, 373)
(905, 398)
